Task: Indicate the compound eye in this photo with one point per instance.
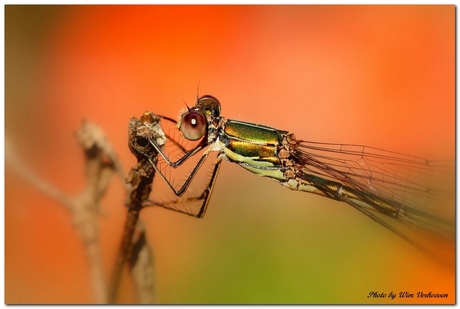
(193, 125)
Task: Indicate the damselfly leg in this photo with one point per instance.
(147, 132)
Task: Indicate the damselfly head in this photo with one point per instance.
(193, 122)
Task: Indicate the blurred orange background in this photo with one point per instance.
(374, 75)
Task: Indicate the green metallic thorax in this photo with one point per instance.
(254, 147)
(252, 133)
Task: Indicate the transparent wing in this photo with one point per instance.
(425, 186)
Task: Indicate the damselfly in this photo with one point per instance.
(371, 180)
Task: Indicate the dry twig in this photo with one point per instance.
(101, 163)
(139, 187)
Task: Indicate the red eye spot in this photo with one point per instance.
(193, 125)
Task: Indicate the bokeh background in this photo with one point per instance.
(373, 75)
